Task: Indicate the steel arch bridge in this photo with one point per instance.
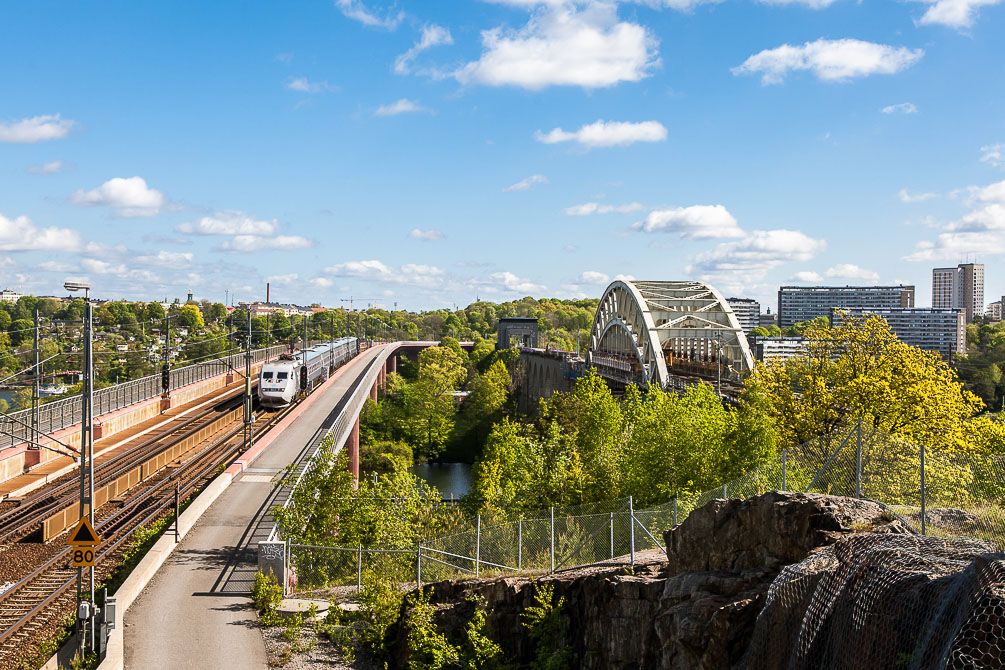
(654, 333)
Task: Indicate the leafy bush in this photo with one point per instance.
(544, 626)
(428, 649)
(267, 595)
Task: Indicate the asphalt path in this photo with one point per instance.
(195, 612)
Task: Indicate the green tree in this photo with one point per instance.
(21, 331)
(154, 311)
(860, 370)
(430, 399)
(190, 317)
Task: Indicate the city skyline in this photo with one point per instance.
(426, 155)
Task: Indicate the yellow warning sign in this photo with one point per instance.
(82, 557)
(83, 535)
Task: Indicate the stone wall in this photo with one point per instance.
(700, 607)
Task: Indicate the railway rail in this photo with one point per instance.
(26, 518)
(34, 608)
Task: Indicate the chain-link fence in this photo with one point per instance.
(945, 494)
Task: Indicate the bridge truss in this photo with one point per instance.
(657, 332)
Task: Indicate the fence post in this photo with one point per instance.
(675, 522)
(552, 539)
(519, 544)
(478, 544)
(858, 460)
(612, 534)
(923, 512)
(783, 470)
(359, 569)
(631, 525)
(725, 493)
(418, 565)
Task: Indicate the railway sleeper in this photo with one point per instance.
(56, 523)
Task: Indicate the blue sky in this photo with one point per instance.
(427, 153)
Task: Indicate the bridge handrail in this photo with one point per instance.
(340, 427)
(65, 412)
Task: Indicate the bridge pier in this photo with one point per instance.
(392, 364)
(353, 445)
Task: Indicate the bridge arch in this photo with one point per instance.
(648, 332)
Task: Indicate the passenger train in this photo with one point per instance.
(279, 382)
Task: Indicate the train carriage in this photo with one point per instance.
(280, 381)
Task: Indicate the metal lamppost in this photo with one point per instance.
(86, 451)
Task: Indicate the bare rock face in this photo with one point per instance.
(768, 531)
(697, 610)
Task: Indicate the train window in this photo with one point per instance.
(267, 375)
(281, 375)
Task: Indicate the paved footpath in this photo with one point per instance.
(195, 613)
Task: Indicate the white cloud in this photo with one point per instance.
(992, 193)
(228, 223)
(812, 4)
(102, 267)
(356, 10)
(432, 36)
(850, 271)
(807, 276)
(593, 277)
(129, 196)
(21, 234)
(951, 246)
(373, 270)
(283, 280)
(57, 266)
(426, 235)
(304, 85)
(906, 196)
(52, 167)
(321, 282)
(588, 208)
(607, 134)
(980, 231)
(694, 223)
(829, 60)
(248, 243)
(499, 282)
(564, 44)
(988, 218)
(402, 106)
(901, 108)
(624, 278)
(993, 154)
(757, 253)
(525, 184)
(36, 129)
(954, 13)
(167, 259)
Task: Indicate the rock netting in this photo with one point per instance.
(698, 609)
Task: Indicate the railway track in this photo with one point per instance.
(20, 521)
(34, 609)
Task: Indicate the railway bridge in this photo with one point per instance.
(667, 334)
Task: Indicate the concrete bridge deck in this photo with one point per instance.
(195, 612)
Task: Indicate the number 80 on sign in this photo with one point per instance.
(82, 557)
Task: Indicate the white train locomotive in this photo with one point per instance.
(279, 382)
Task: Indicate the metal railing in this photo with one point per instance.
(338, 431)
(933, 492)
(65, 412)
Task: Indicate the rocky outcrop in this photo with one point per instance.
(698, 608)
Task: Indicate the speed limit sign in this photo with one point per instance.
(82, 557)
